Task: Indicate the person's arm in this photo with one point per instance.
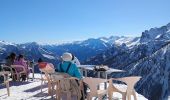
(58, 68)
(24, 63)
(77, 72)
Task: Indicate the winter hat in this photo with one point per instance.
(67, 56)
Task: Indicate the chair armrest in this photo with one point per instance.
(19, 66)
(10, 68)
(130, 81)
(5, 75)
(73, 78)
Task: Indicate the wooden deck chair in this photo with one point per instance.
(126, 92)
(6, 82)
(93, 84)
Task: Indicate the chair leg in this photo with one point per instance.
(129, 97)
(134, 95)
(99, 97)
(18, 77)
(123, 96)
(49, 88)
(110, 95)
(41, 85)
(69, 96)
(7, 86)
(59, 95)
(89, 97)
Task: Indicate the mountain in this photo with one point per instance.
(29, 50)
(87, 48)
(51, 53)
(148, 58)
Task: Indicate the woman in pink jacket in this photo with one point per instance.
(20, 61)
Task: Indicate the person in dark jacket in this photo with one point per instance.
(10, 59)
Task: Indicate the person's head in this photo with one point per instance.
(67, 56)
(40, 60)
(13, 56)
(20, 57)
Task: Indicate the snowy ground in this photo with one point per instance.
(31, 90)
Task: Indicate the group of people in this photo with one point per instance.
(13, 59)
(68, 65)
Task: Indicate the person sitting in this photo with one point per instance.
(45, 66)
(21, 61)
(67, 66)
(10, 59)
(75, 60)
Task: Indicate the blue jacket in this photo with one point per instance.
(73, 70)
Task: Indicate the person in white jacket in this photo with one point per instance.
(75, 60)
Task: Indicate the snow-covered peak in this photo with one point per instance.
(110, 39)
(156, 33)
(168, 26)
(6, 43)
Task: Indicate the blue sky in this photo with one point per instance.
(51, 21)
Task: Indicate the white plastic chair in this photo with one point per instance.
(6, 82)
(65, 84)
(126, 92)
(93, 85)
(19, 74)
(48, 79)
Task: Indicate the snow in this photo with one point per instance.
(133, 43)
(48, 56)
(168, 31)
(6, 43)
(104, 40)
(31, 90)
(158, 36)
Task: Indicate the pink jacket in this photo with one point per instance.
(23, 63)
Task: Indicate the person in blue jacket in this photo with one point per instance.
(67, 66)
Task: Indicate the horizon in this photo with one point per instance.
(61, 42)
(67, 21)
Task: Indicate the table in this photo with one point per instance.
(85, 68)
(32, 66)
(109, 71)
